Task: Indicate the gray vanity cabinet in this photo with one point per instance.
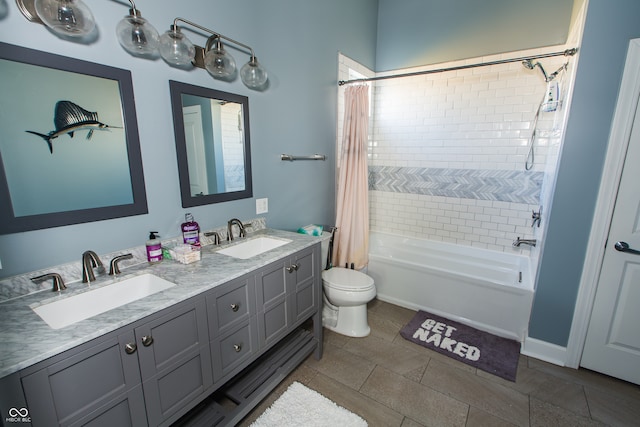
(96, 384)
(175, 361)
(240, 338)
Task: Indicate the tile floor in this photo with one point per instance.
(389, 381)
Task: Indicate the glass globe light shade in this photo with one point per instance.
(218, 62)
(252, 74)
(66, 17)
(175, 48)
(137, 36)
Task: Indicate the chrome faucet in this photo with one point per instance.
(237, 222)
(114, 268)
(90, 260)
(519, 241)
(58, 283)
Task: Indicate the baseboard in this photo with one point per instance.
(545, 351)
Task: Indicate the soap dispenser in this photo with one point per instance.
(190, 231)
(154, 247)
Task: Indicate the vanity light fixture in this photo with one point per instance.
(68, 18)
(177, 50)
(136, 35)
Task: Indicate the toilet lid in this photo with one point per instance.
(347, 279)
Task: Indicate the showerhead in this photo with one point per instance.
(527, 64)
(530, 66)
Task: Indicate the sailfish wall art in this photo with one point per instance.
(69, 118)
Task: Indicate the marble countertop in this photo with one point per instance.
(26, 339)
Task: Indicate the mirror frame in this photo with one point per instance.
(177, 89)
(9, 223)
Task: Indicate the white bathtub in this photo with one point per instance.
(485, 289)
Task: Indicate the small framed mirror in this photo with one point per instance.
(213, 144)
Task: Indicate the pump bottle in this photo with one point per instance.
(154, 247)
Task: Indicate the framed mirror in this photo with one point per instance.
(69, 148)
(213, 144)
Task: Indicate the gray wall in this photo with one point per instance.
(609, 27)
(420, 32)
(298, 43)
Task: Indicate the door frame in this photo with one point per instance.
(623, 119)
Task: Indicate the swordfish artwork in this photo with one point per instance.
(69, 118)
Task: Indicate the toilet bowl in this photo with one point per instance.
(345, 296)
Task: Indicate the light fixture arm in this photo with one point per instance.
(198, 61)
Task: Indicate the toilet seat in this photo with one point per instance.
(345, 279)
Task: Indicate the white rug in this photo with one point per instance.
(301, 406)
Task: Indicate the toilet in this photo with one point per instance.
(346, 294)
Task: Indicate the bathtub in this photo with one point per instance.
(488, 290)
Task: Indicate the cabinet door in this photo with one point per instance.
(85, 384)
(274, 315)
(175, 360)
(304, 297)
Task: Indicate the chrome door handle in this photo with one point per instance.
(290, 269)
(624, 247)
(147, 340)
(235, 307)
(237, 348)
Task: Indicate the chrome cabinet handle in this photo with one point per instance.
(624, 247)
(237, 348)
(235, 307)
(130, 348)
(290, 269)
(147, 340)
(295, 267)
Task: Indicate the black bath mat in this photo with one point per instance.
(482, 350)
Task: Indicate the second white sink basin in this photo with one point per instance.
(68, 311)
(253, 247)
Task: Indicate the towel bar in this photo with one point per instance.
(291, 158)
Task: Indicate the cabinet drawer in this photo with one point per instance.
(230, 305)
(233, 349)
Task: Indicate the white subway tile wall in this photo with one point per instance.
(447, 150)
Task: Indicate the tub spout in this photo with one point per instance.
(519, 241)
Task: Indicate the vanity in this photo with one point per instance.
(203, 352)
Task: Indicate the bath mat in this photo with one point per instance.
(301, 406)
(482, 350)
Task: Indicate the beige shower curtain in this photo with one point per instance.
(351, 242)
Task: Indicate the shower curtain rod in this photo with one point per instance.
(567, 52)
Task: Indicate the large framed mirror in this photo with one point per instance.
(213, 144)
(69, 148)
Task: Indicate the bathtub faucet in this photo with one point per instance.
(519, 241)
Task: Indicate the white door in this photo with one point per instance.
(612, 345)
(194, 138)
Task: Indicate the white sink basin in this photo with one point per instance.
(253, 247)
(68, 311)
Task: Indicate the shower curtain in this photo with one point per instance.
(351, 242)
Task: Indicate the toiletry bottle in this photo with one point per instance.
(190, 230)
(154, 247)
